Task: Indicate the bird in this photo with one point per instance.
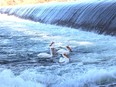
(64, 59)
(65, 51)
(47, 55)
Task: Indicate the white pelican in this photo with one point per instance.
(46, 55)
(64, 59)
(65, 51)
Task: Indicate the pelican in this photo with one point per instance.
(47, 55)
(64, 59)
(65, 51)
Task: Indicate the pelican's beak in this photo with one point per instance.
(69, 48)
(65, 55)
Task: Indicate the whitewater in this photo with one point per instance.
(92, 60)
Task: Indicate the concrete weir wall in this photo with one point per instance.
(99, 17)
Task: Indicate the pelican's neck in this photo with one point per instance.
(51, 51)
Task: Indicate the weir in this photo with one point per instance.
(99, 17)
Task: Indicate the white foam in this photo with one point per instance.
(8, 79)
(91, 78)
(59, 76)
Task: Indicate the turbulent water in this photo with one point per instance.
(92, 60)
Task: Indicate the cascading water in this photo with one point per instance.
(95, 16)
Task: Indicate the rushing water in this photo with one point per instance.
(92, 60)
(97, 16)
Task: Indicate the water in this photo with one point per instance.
(96, 16)
(92, 60)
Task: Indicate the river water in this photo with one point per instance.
(92, 60)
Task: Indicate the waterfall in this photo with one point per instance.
(96, 16)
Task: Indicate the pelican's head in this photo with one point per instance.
(51, 44)
(69, 48)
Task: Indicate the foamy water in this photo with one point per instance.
(92, 60)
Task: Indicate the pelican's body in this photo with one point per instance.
(47, 55)
(64, 59)
(65, 51)
(44, 55)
